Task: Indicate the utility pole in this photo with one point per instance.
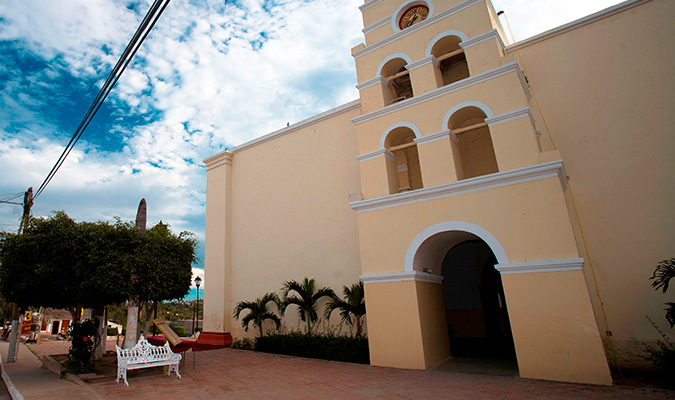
(14, 336)
(27, 204)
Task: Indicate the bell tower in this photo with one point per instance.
(449, 154)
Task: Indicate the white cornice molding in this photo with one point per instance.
(373, 82)
(302, 124)
(396, 36)
(437, 136)
(426, 60)
(223, 158)
(589, 19)
(511, 177)
(368, 4)
(453, 87)
(567, 264)
(484, 37)
(380, 23)
(402, 277)
(510, 116)
(377, 153)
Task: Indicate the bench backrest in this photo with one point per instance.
(144, 352)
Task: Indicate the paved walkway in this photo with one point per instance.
(239, 374)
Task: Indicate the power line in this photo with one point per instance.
(142, 32)
(9, 197)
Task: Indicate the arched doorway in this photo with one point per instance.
(475, 305)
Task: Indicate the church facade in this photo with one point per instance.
(496, 200)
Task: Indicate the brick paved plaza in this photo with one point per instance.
(239, 374)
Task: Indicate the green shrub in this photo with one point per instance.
(199, 329)
(243, 344)
(112, 331)
(85, 335)
(180, 330)
(323, 346)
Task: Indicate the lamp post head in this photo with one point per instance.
(198, 281)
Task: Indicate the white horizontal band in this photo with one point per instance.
(567, 264)
(402, 277)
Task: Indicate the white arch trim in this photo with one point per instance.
(446, 120)
(462, 226)
(412, 127)
(440, 36)
(403, 7)
(390, 57)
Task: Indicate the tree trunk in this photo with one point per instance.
(149, 307)
(13, 345)
(102, 315)
(131, 336)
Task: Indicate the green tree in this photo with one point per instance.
(60, 263)
(353, 305)
(305, 295)
(664, 272)
(163, 264)
(258, 311)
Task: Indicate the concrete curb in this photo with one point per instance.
(13, 391)
(52, 365)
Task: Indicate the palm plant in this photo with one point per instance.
(664, 272)
(353, 304)
(305, 295)
(258, 311)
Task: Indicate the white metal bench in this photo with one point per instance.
(145, 355)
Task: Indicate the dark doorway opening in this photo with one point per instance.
(475, 306)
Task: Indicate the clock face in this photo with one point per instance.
(413, 15)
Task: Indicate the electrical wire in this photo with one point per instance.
(136, 41)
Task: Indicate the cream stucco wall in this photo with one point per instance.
(290, 215)
(605, 90)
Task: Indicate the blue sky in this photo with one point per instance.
(211, 75)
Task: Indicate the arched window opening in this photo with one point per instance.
(451, 58)
(398, 77)
(475, 143)
(400, 141)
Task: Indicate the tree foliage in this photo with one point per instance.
(305, 295)
(258, 311)
(353, 305)
(60, 263)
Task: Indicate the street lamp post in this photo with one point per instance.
(198, 282)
